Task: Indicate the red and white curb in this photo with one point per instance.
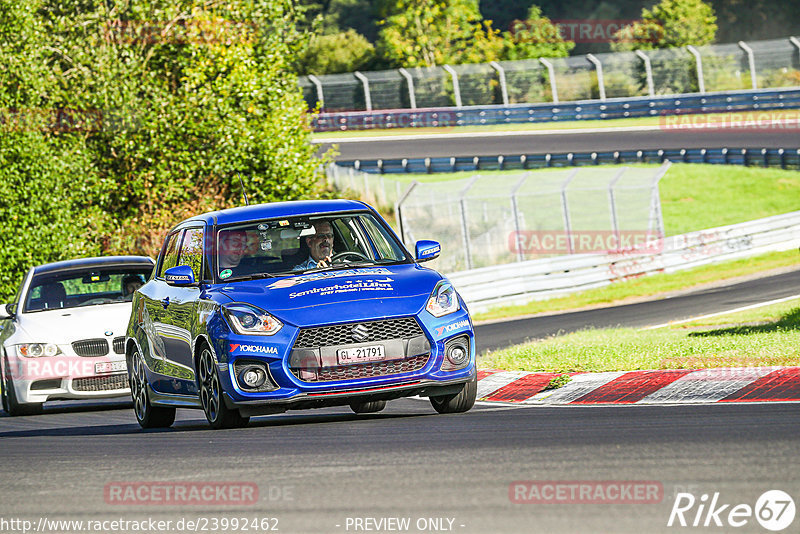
(674, 386)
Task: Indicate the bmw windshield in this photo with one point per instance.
(299, 244)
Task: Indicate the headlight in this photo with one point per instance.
(36, 350)
(443, 300)
(247, 319)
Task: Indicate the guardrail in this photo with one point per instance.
(612, 108)
(754, 157)
(517, 283)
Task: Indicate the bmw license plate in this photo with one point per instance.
(109, 367)
(369, 353)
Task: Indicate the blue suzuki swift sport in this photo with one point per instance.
(294, 305)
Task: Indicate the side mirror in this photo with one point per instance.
(5, 312)
(426, 250)
(180, 276)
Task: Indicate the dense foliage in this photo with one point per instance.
(119, 120)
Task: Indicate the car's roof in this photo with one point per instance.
(83, 263)
(272, 210)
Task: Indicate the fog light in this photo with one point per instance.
(253, 377)
(457, 354)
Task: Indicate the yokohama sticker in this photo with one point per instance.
(253, 349)
(451, 327)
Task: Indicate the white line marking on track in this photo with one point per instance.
(715, 314)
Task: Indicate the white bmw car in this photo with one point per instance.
(63, 335)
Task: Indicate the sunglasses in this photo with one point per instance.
(322, 236)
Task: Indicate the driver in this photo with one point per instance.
(130, 284)
(320, 246)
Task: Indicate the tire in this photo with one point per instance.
(11, 405)
(210, 392)
(459, 402)
(147, 415)
(368, 407)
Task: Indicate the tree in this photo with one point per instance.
(670, 24)
(346, 51)
(534, 37)
(425, 33)
(127, 118)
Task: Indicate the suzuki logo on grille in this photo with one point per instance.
(360, 333)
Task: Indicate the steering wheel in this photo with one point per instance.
(340, 256)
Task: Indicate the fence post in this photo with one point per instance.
(751, 61)
(515, 211)
(551, 71)
(456, 89)
(501, 74)
(318, 84)
(565, 209)
(365, 83)
(613, 204)
(464, 226)
(655, 210)
(599, 68)
(398, 208)
(701, 85)
(412, 98)
(796, 42)
(648, 69)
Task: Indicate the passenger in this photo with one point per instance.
(232, 248)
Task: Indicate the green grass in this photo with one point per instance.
(527, 127)
(764, 337)
(649, 286)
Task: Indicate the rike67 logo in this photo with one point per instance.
(774, 510)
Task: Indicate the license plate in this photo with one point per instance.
(369, 353)
(109, 367)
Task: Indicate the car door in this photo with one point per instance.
(154, 319)
(179, 322)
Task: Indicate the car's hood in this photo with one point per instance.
(72, 324)
(338, 296)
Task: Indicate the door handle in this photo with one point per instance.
(165, 302)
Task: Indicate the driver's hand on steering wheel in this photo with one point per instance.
(325, 262)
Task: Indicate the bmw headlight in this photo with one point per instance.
(247, 319)
(443, 300)
(37, 350)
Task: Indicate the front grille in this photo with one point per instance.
(90, 347)
(119, 345)
(101, 383)
(342, 334)
(362, 370)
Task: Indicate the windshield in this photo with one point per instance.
(71, 289)
(293, 245)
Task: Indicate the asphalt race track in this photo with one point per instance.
(314, 470)
(573, 141)
(331, 471)
(692, 304)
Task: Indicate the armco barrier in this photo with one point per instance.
(613, 108)
(755, 157)
(520, 282)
